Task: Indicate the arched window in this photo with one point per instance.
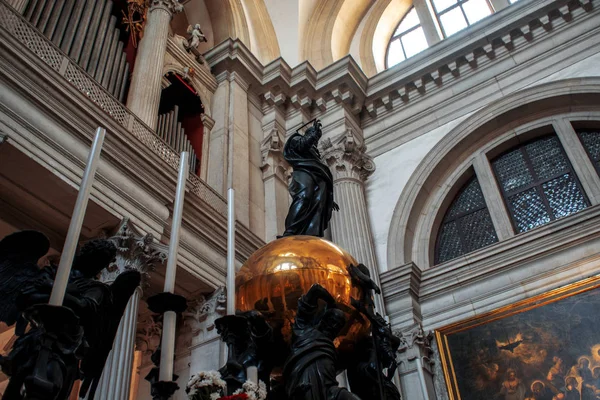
(455, 15)
(538, 183)
(467, 225)
(408, 40)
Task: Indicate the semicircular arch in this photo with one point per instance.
(412, 225)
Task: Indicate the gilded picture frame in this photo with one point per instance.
(518, 352)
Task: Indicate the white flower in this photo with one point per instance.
(215, 396)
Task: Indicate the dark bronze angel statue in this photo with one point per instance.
(64, 343)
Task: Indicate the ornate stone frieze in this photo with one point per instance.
(172, 6)
(347, 157)
(134, 251)
(201, 314)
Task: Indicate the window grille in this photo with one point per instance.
(538, 183)
(467, 225)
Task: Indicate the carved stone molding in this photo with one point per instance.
(134, 251)
(3, 138)
(347, 157)
(148, 333)
(201, 314)
(173, 6)
(273, 162)
(415, 337)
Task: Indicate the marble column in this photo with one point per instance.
(145, 90)
(350, 226)
(415, 364)
(139, 252)
(19, 5)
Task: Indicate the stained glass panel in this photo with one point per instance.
(449, 242)
(591, 142)
(564, 196)
(547, 157)
(470, 198)
(467, 224)
(538, 183)
(528, 210)
(478, 230)
(511, 170)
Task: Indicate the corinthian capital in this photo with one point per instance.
(172, 6)
(134, 251)
(347, 157)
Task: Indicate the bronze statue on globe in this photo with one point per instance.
(311, 187)
(316, 299)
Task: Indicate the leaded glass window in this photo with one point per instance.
(590, 138)
(455, 15)
(538, 183)
(408, 39)
(467, 225)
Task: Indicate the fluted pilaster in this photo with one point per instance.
(115, 383)
(275, 169)
(139, 252)
(145, 90)
(350, 227)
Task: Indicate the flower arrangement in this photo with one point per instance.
(208, 385)
(205, 385)
(251, 390)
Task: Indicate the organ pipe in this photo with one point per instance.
(72, 23)
(45, 15)
(107, 47)
(37, 12)
(30, 8)
(100, 39)
(86, 31)
(61, 26)
(53, 21)
(112, 79)
(85, 26)
(89, 41)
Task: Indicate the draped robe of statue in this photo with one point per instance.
(311, 187)
(310, 371)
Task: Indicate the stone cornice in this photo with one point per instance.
(478, 268)
(489, 44)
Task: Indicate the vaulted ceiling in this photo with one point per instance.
(321, 32)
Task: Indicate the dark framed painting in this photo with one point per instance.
(543, 348)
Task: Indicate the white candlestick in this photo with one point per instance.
(68, 253)
(231, 251)
(170, 317)
(176, 223)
